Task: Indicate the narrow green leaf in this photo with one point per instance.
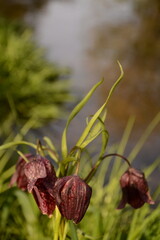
(133, 225)
(144, 137)
(12, 144)
(26, 205)
(149, 170)
(122, 146)
(105, 137)
(53, 153)
(7, 173)
(97, 114)
(73, 114)
(138, 229)
(50, 143)
(69, 159)
(22, 155)
(95, 131)
(5, 155)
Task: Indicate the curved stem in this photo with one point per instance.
(94, 168)
(117, 155)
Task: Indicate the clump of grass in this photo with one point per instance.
(21, 219)
(31, 87)
(102, 220)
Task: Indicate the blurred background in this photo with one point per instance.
(51, 53)
(83, 39)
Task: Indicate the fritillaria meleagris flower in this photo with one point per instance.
(134, 189)
(19, 176)
(38, 177)
(41, 179)
(72, 197)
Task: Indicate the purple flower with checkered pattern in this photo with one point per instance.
(72, 196)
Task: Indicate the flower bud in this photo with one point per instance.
(134, 189)
(72, 197)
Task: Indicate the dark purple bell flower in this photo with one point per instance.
(134, 189)
(72, 197)
(44, 200)
(38, 177)
(40, 168)
(41, 180)
(19, 176)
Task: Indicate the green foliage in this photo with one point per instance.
(102, 220)
(30, 86)
(21, 219)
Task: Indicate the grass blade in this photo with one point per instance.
(100, 110)
(73, 114)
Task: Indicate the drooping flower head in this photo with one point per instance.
(72, 197)
(134, 189)
(41, 179)
(38, 177)
(19, 176)
(40, 169)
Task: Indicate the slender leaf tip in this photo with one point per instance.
(121, 69)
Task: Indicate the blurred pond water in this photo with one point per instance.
(89, 36)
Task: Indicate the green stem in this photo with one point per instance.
(117, 155)
(75, 152)
(56, 226)
(73, 231)
(65, 230)
(78, 156)
(94, 168)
